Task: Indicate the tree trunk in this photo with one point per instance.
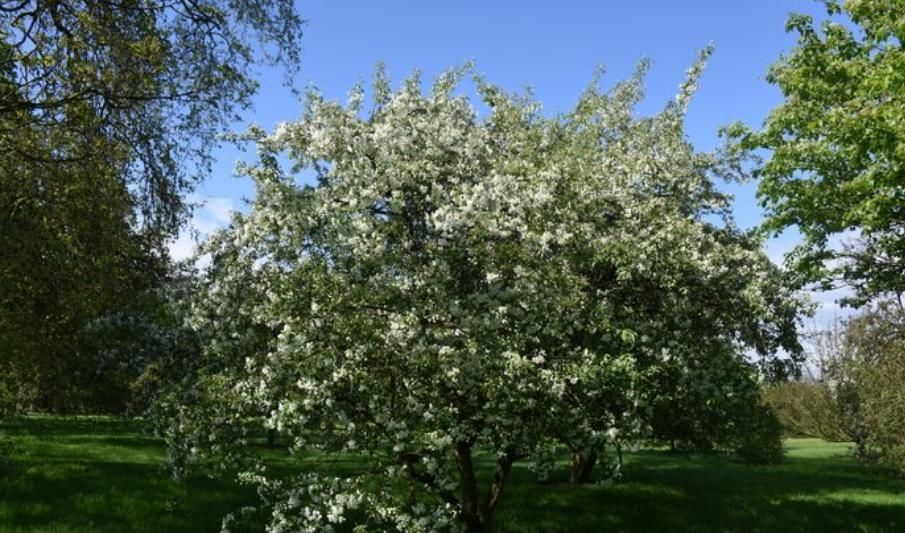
(478, 518)
(504, 465)
(582, 465)
(271, 438)
(471, 515)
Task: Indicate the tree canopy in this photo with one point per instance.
(108, 112)
(158, 80)
(836, 162)
(455, 285)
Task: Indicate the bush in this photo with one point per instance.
(725, 415)
(8, 464)
(760, 442)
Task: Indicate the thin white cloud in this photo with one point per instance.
(210, 214)
(828, 308)
(776, 250)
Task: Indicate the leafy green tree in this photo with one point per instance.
(836, 162)
(713, 404)
(108, 112)
(860, 396)
(807, 408)
(158, 80)
(68, 254)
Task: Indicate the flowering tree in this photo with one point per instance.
(456, 285)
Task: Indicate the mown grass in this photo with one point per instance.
(104, 474)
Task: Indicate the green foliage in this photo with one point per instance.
(807, 409)
(69, 255)
(759, 439)
(108, 111)
(713, 407)
(876, 342)
(837, 148)
(154, 81)
(9, 396)
(862, 363)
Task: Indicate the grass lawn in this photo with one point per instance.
(104, 474)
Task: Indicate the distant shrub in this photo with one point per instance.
(807, 410)
(760, 441)
(727, 415)
(7, 399)
(8, 464)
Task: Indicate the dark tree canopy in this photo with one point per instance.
(837, 148)
(156, 78)
(108, 113)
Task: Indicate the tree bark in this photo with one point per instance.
(478, 518)
(471, 514)
(582, 465)
(504, 466)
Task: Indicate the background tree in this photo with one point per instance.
(157, 80)
(868, 380)
(808, 409)
(825, 402)
(108, 113)
(857, 395)
(713, 404)
(69, 254)
(836, 161)
(836, 171)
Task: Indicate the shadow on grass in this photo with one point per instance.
(105, 475)
(106, 496)
(661, 492)
(69, 426)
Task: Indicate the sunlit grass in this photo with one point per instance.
(104, 474)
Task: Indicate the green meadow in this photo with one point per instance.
(103, 474)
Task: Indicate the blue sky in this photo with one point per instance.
(554, 47)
